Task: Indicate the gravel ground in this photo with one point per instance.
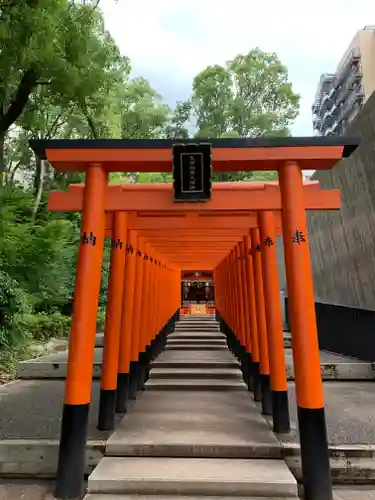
(350, 412)
(42, 402)
(21, 490)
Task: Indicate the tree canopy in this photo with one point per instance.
(250, 95)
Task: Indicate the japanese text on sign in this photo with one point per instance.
(117, 243)
(88, 240)
(192, 173)
(268, 241)
(299, 237)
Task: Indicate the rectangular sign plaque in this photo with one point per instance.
(191, 172)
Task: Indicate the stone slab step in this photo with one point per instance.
(192, 476)
(192, 347)
(173, 497)
(197, 336)
(195, 385)
(194, 324)
(187, 339)
(197, 364)
(99, 341)
(195, 373)
(205, 326)
(194, 424)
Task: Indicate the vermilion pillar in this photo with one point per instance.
(253, 321)
(261, 323)
(246, 313)
(311, 417)
(125, 366)
(137, 317)
(72, 451)
(112, 328)
(143, 325)
(151, 337)
(240, 309)
(275, 335)
(235, 333)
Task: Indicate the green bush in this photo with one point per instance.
(100, 320)
(42, 326)
(13, 302)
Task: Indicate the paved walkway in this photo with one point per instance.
(193, 434)
(195, 405)
(31, 490)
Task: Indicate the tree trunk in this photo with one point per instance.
(38, 185)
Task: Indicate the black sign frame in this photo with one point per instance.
(192, 171)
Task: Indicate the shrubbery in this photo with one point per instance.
(43, 326)
(37, 274)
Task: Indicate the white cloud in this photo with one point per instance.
(169, 41)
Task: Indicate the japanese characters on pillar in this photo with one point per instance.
(192, 172)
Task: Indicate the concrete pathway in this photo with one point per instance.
(202, 336)
(42, 490)
(28, 446)
(193, 436)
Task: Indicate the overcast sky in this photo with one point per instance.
(170, 41)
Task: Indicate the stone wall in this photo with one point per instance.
(343, 242)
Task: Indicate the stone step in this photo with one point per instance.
(195, 373)
(211, 384)
(195, 364)
(186, 339)
(206, 345)
(208, 321)
(192, 476)
(194, 424)
(99, 341)
(197, 328)
(99, 496)
(200, 336)
(203, 324)
(192, 347)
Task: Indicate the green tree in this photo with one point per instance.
(143, 113)
(62, 45)
(250, 95)
(177, 128)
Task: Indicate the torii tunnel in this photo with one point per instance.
(155, 238)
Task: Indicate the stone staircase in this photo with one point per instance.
(195, 433)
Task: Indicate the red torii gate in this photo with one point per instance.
(288, 156)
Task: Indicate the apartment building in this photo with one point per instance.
(341, 95)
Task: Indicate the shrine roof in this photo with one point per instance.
(155, 155)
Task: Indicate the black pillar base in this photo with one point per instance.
(107, 406)
(243, 358)
(133, 379)
(169, 327)
(122, 392)
(257, 387)
(280, 412)
(266, 394)
(249, 380)
(148, 361)
(72, 452)
(314, 454)
(141, 371)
